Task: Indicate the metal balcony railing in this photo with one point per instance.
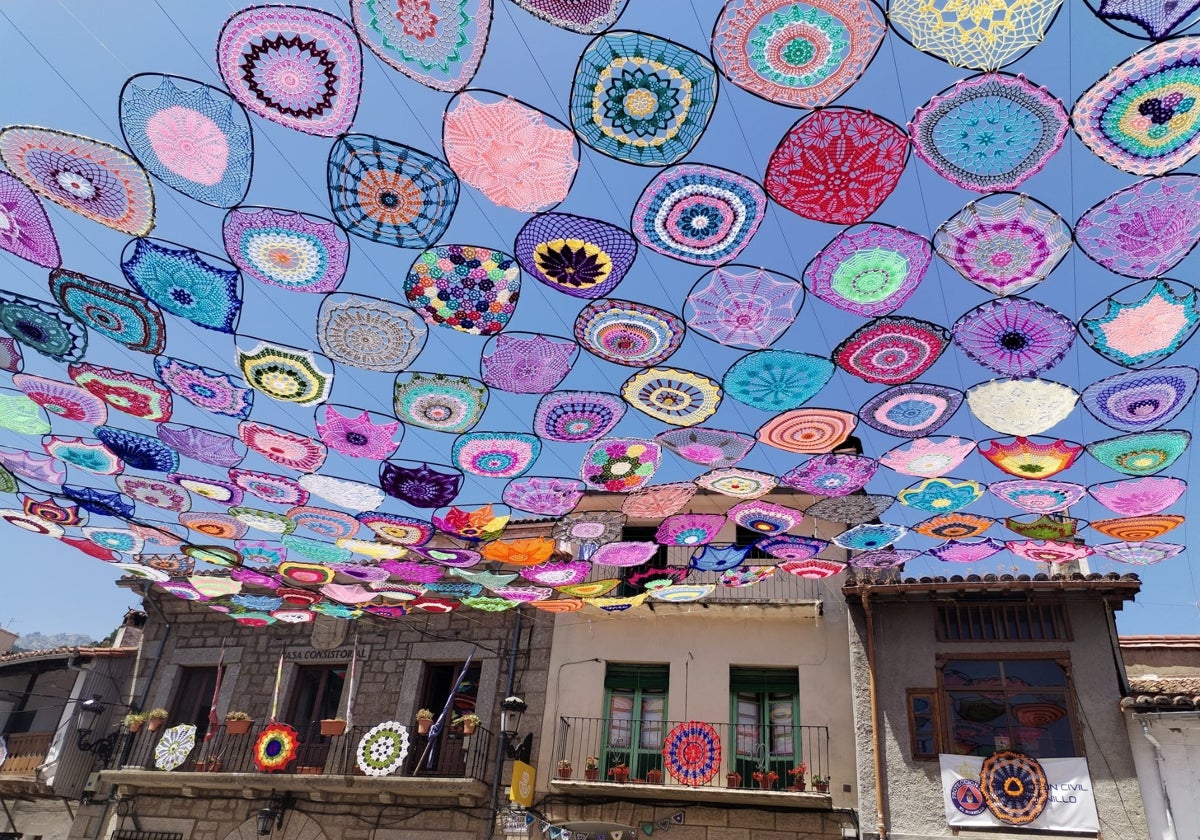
(455, 755)
(26, 752)
(746, 749)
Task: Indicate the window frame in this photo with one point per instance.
(638, 758)
(930, 695)
(326, 670)
(1055, 613)
(767, 695)
(202, 702)
(1059, 657)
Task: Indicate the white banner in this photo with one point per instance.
(1071, 805)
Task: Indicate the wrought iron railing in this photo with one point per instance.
(452, 755)
(772, 751)
(26, 752)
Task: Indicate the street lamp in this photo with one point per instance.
(511, 709)
(101, 748)
(271, 817)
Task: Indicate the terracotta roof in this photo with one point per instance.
(63, 653)
(1159, 641)
(1162, 694)
(1126, 585)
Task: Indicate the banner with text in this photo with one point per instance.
(1071, 805)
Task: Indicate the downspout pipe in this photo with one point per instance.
(162, 644)
(1162, 776)
(876, 742)
(502, 741)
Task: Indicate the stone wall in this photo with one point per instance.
(706, 823)
(906, 657)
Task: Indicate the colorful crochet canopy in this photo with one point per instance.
(439, 45)
(98, 181)
(764, 517)
(580, 257)
(201, 288)
(1136, 331)
(689, 529)
(707, 447)
(283, 373)
(739, 306)
(577, 416)
(26, 231)
(1014, 337)
(468, 288)
(1138, 528)
(496, 455)
(1004, 243)
(390, 193)
(619, 465)
(1043, 527)
(777, 380)
(659, 501)
(1038, 496)
(286, 249)
(802, 54)
(869, 537)
(831, 475)
(1138, 553)
(892, 350)
(808, 431)
(738, 483)
(954, 526)
(525, 364)
(699, 214)
(964, 37)
(627, 333)
(1139, 496)
(111, 311)
(1141, 117)
(1021, 407)
(851, 510)
(1155, 19)
(837, 165)
(869, 271)
(369, 333)
(1146, 229)
(515, 155)
(927, 457)
(1145, 453)
(989, 132)
(588, 18)
(1141, 400)
(678, 397)
(439, 402)
(955, 551)
(1027, 458)
(941, 495)
(189, 135)
(792, 548)
(642, 99)
(43, 327)
(912, 411)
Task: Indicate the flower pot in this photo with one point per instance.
(620, 777)
(423, 726)
(800, 785)
(821, 787)
(136, 726)
(309, 770)
(208, 765)
(237, 727)
(469, 727)
(154, 724)
(331, 728)
(654, 777)
(564, 772)
(733, 780)
(592, 775)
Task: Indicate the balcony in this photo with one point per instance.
(325, 767)
(745, 751)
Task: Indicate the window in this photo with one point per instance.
(193, 698)
(635, 713)
(316, 695)
(922, 724)
(448, 755)
(1001, 622)
(1018, 704)
(766, 715)
(744, 536)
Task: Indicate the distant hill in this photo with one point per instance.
(43, 641)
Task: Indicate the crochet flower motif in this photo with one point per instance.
(357, 437)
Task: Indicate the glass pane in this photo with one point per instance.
(1041, 725)
(620, 713)
(782, 713)
(1039, 672)
(975, 721)
(653, 705)
(971, 672)
(749, 715)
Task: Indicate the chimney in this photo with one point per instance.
(7, 639)
(129, 634)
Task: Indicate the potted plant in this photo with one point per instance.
(766, 778)
(469, 723)
(155, 718)
(654, 777)
(619, 773)
(333, 727)
(424, 721)
(209, 765)
(821, 785)
(591, 768)
(564, 769)
(733, 780)
(237, 723)
(134, 721)
(797, 773)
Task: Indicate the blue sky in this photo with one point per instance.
(67, 62)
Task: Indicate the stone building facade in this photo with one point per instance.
(921, 650)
